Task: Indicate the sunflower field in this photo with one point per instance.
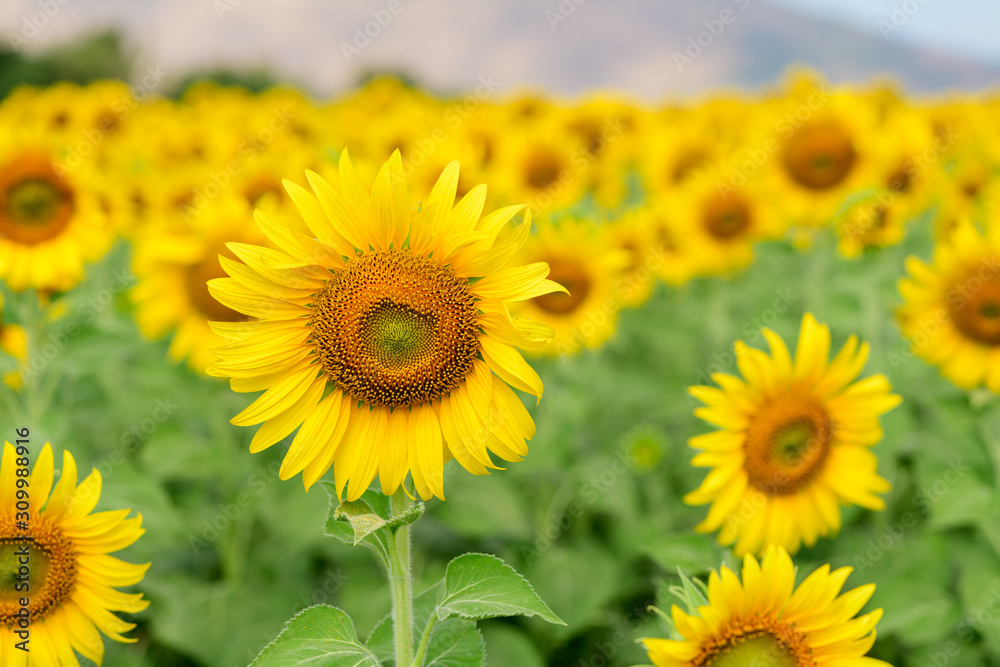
(596, 383)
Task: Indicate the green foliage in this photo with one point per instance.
(322, 636)
(254, 80)
(478, 586)
(95, 57)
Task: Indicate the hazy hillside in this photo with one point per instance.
(560, 45)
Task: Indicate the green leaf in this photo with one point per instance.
(320, 636)
(483, 586)
(455, 643)
(918, 613)
(367, 514)
(363, 519)
(510, 646)
(694, 554)
(409, 516)
(341, 526)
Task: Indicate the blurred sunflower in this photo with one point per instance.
(829, 155)
(13, 341)
(582, 258)
(969, 183)
(724, 221)
(765, 620)
(608, 134)
(72, 574)
(793, 442)
(869, 223)
(670, 241)
(172, 266)
(51, 218)
(543, 165)
(385, 334)
(678, 146)
(634, 234)
(951, 309)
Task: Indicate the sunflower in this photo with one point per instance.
(679, 146)
(172, 266)
(670, 240)
(582, 257)
(542, 164)
(607, 134)
(385, 334)
(71, 574)
(968, 185)
(724, 221)
(51, 219)
(828, 155)
(872, 221)
(951, 312)
(765, 620)
(13, 341)
(634, 234)
(793, 442)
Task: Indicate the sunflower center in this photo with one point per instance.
(38, 564)
(543, 170)
(900, 181)
(397, 336)
(819, 156)
(572, 276)
(975, 312)
(392, 328)
(756, 641)
(727, 218)
(196, 280)
(687, 164)
(761, 649)
(35, 205)
(787, 443)
(971, 188)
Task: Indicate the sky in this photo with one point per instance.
(966, 28)
(567, 47)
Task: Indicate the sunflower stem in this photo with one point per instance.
(401, 581)
(418, 661)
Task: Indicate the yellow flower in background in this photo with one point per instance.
(51, 220)
(793, 442)
(14, 342)
(607, 134)
(723, 221)
(172, 266)
(542, 165)
(671, 240)
(678, 145)
(762, 618)
(870, 223)
(634, 234)
(967, 185)
(826, 147)
(951, 309)
(72, 574)
(384, 336)
(582, 258)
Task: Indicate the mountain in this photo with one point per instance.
(566, 47)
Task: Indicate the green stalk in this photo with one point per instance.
(401, 582)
